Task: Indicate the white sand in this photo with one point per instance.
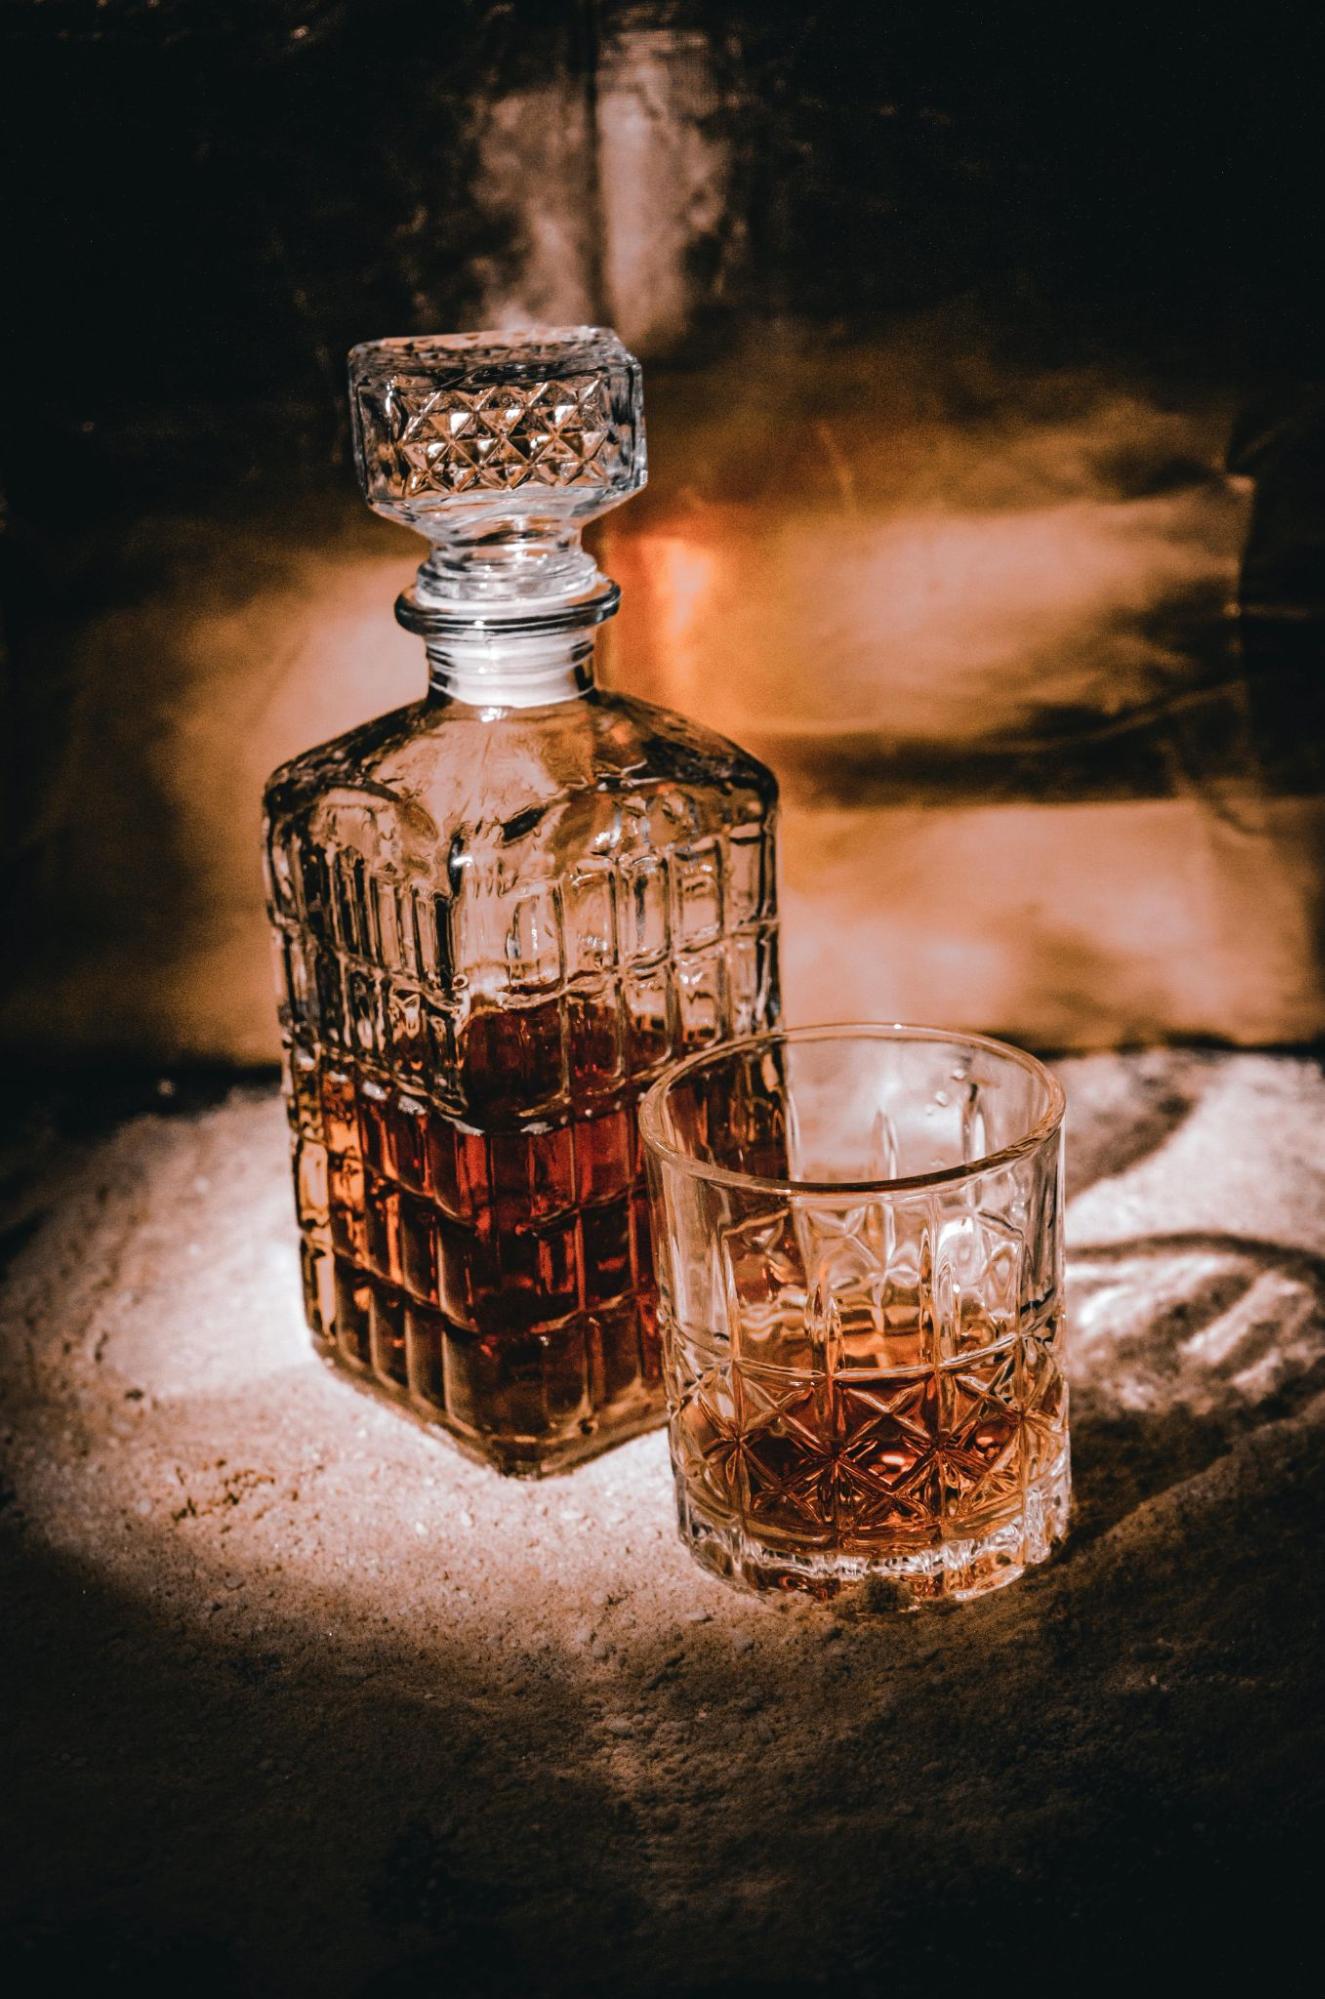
(304, 1701)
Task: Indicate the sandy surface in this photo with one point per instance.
(298, 1700)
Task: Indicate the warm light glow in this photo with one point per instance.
(926, 581)
(204, 1455)
(980, 580)
(679, 576)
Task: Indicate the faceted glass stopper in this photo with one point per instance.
(499, 447)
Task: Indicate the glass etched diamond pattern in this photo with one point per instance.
(864, 1380)
(453, 423)
(498, 438)
(868, 1386)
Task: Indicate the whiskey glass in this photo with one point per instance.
(858, 1240)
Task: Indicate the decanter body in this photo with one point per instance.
(498, 914)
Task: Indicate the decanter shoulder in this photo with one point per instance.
(348, 760)
(444, 764)
(644, 744)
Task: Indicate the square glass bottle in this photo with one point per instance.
(498, 913)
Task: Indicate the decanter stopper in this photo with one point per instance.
(499, 447)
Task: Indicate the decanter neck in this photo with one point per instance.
(488, 657)
(491, 562)
(528, 675)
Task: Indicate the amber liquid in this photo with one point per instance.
(496, 1276)
(466, 1045)
(865, 1449)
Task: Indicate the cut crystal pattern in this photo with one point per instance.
(861, 1379)
(551, 418)
(498, 438)
(469, 1183)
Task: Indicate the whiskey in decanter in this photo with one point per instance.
(498, 913)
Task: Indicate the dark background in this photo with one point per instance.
(211, 202)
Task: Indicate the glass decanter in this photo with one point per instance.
(498, 913)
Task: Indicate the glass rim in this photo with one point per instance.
(1045, 1126)
(573, 349)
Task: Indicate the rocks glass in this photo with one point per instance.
(859, 1245)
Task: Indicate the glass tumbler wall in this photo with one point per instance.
(859, 1244)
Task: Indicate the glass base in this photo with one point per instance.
(512, 1457)
(889, 1578)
